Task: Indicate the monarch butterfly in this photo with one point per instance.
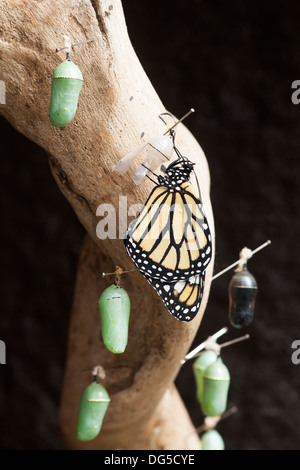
(170, 241)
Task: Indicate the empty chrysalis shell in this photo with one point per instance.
(242, 294)
(67, 81)
(212, 440)
(114, 310)
(200, 364)
(216, 381)
(158, 150)
(93, 406)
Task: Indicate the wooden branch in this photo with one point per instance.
(117, 106)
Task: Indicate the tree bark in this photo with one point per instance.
(118, 110)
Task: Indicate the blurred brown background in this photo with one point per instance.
(234, 62)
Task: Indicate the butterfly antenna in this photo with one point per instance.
(179, 154)
(180, 120)
(180, 157)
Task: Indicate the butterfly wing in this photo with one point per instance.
(170, 239)
(182, 298)
(170, 244)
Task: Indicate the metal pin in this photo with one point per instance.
(211, 343)
(210, 422)
(233, 341)
(180, 120)
(69, 46)
(117, 273)
(239, 261)
(201, 346)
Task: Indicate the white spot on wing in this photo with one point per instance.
(179, 286)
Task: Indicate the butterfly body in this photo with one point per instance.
(170, 241)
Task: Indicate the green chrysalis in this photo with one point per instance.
(212, 440)
(67, 81)
(216, 380)
(114, 310)
(93, 405)
(200, 364)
